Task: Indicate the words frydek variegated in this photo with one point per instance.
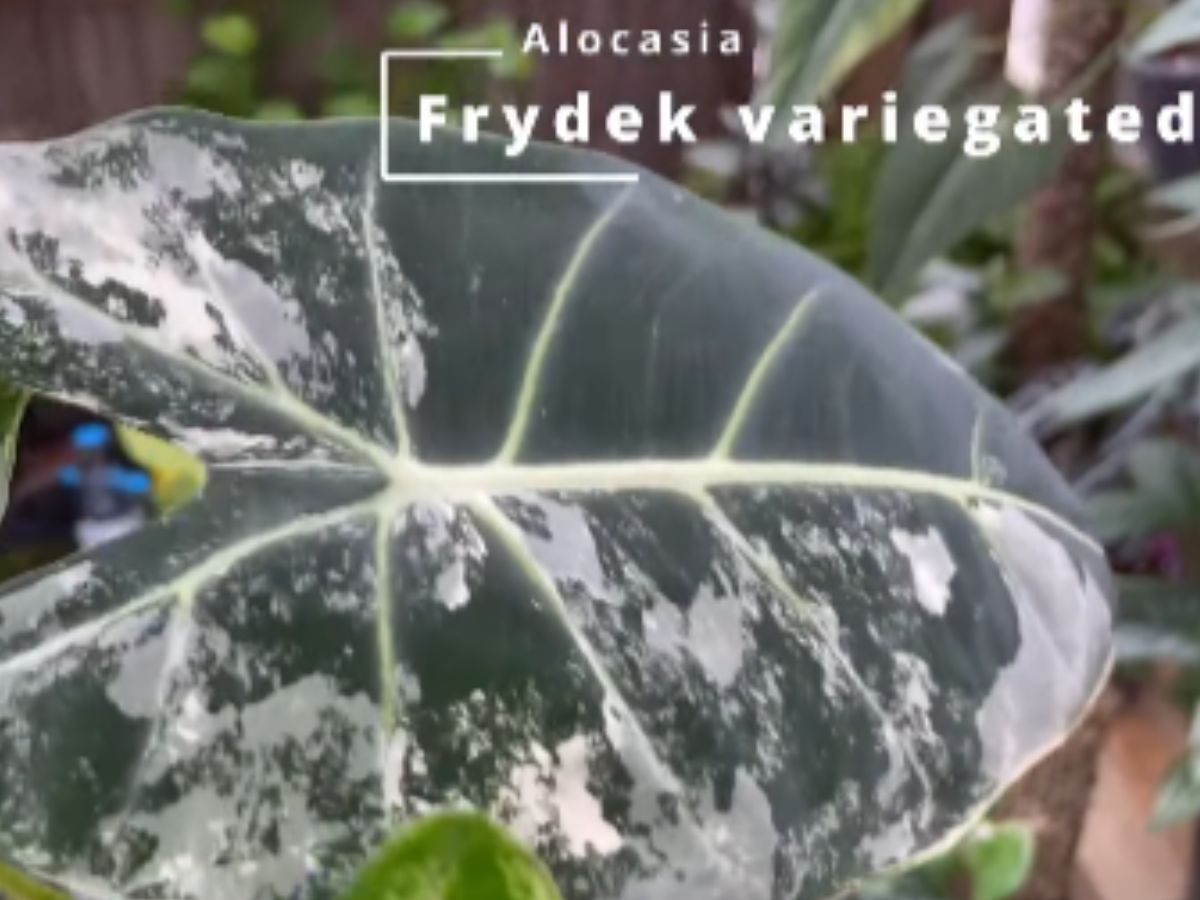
(981, 129)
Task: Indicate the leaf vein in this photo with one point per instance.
(416, 479)
(762, 370)
(283, 402)
(489, 514)
(188, 584)
(389, 369)
(388, 686)
(531, 380)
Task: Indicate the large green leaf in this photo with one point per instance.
(642, 531)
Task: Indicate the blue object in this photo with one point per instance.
(129, 481)
(92, 436)
(132, 482)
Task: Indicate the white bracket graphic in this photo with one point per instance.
(385, 61)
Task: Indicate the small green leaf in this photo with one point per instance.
(12, 408)
(999, 859)
(454, 856)
(278, 111)
(351, 106)
(177, 475)
(416, 20)
(231, 33)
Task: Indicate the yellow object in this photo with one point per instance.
(177, 476)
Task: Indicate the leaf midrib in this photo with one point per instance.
(415, 480)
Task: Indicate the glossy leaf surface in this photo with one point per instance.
(653, 537)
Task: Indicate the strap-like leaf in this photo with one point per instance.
(1176, 27)
(1156, 364)
(817, 43)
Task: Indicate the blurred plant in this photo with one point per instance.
(992, 863)
(839, 227)
(1179, 798)
(1143, 501)
(926, 201)
(1177, 26)
(288, 62)
(882, 211)
(463, 854)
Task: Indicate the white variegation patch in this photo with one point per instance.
(932, 565)
(1064, 625)
(554, 792)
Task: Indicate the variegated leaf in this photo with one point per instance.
(638, 529)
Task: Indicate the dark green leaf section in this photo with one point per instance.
(454, 856)
(650, 537)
